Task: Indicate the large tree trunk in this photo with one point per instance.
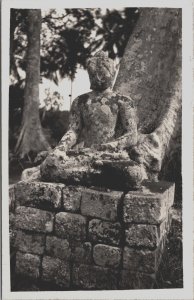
(31, 138)
(150, 73)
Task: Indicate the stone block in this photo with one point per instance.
(39, 194)
(12, 197)
(94, 277)
(104, 232)
(71, 198)
(81, 252)
(30, 242)
(136, 280)
(70, 226)
(56, 270)
(101, 205)
(143, 260)
(150, 205)
(142, 235)
(28, 265)
(106, 256)
(34, 219)
(58, 247)
(145, 235)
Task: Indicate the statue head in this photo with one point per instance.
(101, 71)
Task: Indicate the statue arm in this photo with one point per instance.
(71, 136)
(129, 123)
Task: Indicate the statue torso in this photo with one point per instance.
(99, 113)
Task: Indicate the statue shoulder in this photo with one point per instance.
(82, 99)
(79, 101)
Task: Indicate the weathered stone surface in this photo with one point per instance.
(142, 235)
(30, 242)
(121, 174)
(34, 219)
(12, 197)
(31, 174)
(70, 226)
(81, 252)
(164, 188)
(94, 277)
(58, 247)
(104, 232)
(150, 205)
(136, 280)
(144, 260)
(56, 270)
(101, 205)
(39, 194)
(71, 197)
(145, 235)
(101, 71)
(28, 265)
(106, 256)
(102, 126)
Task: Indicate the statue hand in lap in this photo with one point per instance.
(101, 122)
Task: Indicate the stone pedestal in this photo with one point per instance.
(80, 238)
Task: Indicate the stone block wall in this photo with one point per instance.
(80, 238)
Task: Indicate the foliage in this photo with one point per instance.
(53, 100)
(116, 30)
(70, 36)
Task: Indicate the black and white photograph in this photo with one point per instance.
(97, 150)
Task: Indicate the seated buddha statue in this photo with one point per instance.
(95, 151)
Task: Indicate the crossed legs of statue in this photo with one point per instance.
(89, 167)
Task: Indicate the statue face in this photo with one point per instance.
(101, 71)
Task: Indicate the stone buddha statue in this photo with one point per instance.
(95, 151)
